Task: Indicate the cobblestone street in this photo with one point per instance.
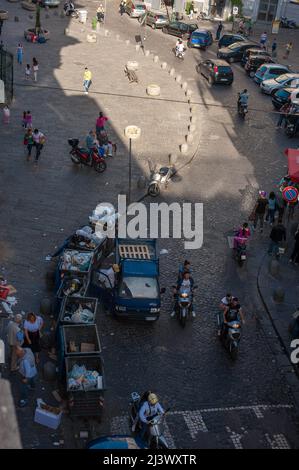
(214, 402)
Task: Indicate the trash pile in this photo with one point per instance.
(75, 314)
(73, 286)
(85, 238)
(73, 260)
(79, 378)
(7, 301)
(102, 215)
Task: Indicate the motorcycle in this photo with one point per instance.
(286, 23)
(154, 438)
(184, 304)
(242, 108)
(160, 178)
(230, 334)
(81, 156)
(240, 250)
(179, 54)
(69, 10)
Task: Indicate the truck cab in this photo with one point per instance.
(136, 292)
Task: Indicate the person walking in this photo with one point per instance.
(28, 120)
(295, 253)
(34, 68)
(28, 142)
(27, 72)
(289, 47)
(283, 112)
(14, 340)
(274, 48)
(277, 235)
(100, 122)
(28, 373)
(32, 327)
(20, 54)
(259, 210)
(263, 40)
(219, 29)
(87, 80)
(39, 140)
(6, 115)
(272, 207)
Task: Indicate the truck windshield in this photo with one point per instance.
(138, 288)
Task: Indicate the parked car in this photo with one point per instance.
(48, 3)
(216, 71)
(234, 52)
(267, 71)
(289, 80)
(254, 51)
(201, 38)
(280, 97)
(156, 19)
(135, 8)
(228, 39)
(254, 62)
(180, 29)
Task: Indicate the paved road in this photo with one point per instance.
(213, 401)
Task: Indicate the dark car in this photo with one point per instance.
(254, 51)
(280, 97)
(216, 71)
(254, 62)
(234, 52)
(228, 39)
(200, 38)
(180, 29)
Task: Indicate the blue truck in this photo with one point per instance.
(135, 292)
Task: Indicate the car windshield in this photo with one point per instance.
(198, 35)
(224, 69)
(281, 78)
(283, 94)
(138, 288)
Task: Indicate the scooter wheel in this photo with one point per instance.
(154, 190)
(75, 159)
(100, 167)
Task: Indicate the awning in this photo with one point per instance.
(293, 164)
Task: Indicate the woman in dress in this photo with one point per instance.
(35, 68)
(32, 327)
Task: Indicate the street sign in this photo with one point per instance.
(235, 10)
(290, 194)
(132, 132)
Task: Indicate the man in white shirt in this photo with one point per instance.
(28, 373)
(39, 140)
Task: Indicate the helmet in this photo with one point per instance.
(152, 399)
(263, 193)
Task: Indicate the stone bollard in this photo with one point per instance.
(274, 267)
(193, 119)
(137, 47)
(184, 86)
(189, 138)
(147, 53)
(106, 33)
(92, 38)
(156, 59)
(172, 72)
(178, 78)
(127, 42)
(278, 294)
(66, 31)
(191, 109)
(172, 159)
(191, 128)
(153, 90)
(184, 148)
(164, 65)
(141, 182)
(132, 65)
(188, 93)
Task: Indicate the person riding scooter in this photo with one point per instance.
(100, 13)
(185, 282)
(241, 236)
(149, 410)
(69, 7)
(179, 48)
(232, 312)
(243, 98)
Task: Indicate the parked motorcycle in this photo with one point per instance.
(81, 156)
(204, 17)
(154, 438)
(286, 23)
(184, 304)
(230, 332)
(159, 178)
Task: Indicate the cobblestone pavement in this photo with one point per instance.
(214, 402)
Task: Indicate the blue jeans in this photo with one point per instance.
(273, 247)
(271, 215)
(86, 84)
(24, 388)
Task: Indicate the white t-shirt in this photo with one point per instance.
(33, 326)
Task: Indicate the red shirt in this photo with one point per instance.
(101, 121)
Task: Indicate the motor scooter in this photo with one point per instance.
(160, 177)
(230, 332)
(242, 108)
(82, 156)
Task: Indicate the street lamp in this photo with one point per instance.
(132, 133)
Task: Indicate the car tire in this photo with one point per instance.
(251, 74)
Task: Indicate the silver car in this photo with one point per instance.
(135, 9)
(290, 80)
(156, 19)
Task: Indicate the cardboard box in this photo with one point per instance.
(46, 418)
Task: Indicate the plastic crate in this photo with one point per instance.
(80, 334)
(89, 302)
